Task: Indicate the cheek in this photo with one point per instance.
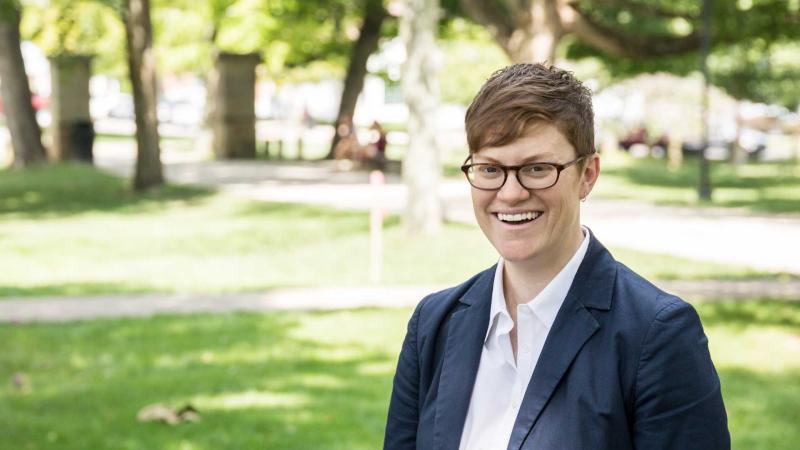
(480, 201)
(562, 208)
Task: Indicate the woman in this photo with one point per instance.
(557, 346)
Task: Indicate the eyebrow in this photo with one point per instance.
(542, 157)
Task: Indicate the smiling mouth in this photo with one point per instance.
(518, 218)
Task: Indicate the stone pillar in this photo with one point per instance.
(72, 129)
(234, 121)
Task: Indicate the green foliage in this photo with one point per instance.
(470, 58)
(297, 39)
(754, 44)
(88, 27)
(309, 380)
(760, 71)
(9, 10)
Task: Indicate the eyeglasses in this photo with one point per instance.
(491, 177)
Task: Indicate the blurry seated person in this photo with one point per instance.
(375, 152)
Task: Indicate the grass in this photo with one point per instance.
(756, 348)
(72, 230)
(758, 187)
(309, 380)
(285, 381)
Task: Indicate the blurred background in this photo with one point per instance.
(217, 215)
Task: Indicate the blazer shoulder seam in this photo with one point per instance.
(674, 301)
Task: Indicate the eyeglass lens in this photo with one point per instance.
(532, 176)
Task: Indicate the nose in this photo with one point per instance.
(512, 192)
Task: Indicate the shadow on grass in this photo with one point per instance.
(69, 289)
(766, 312)
(653, 172)
(66, 189)
(255, 381)
(766, 204)
(758, 179)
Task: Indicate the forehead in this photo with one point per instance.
(541, 142)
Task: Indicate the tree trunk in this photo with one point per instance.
(26, 136)
(367, 43)
(142, 67)
(421, 166)
(536, 35)
(738, 153)
(206, 141)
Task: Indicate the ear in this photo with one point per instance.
(589, 174)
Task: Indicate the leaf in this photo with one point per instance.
(159, 412)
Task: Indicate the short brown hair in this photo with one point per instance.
(519, 96)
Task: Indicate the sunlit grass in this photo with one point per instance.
(756, 349)
(71, 230)
(289, 381)
(309, 380)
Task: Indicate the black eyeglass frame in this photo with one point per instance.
(559, 168)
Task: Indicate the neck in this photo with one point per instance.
(524, 280)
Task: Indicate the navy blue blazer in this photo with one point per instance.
(625, 366)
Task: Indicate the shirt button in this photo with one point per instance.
(526, 349)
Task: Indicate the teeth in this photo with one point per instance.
(518, 217)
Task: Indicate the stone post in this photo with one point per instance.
(72, 129)
(234, 121)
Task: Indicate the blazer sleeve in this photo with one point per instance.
(678, 403)
(403, 418)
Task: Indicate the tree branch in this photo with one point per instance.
(642, 9)
(621, 43)
(500, 26)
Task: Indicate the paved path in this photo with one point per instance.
(63, 309)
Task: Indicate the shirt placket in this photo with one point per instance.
(523, 355)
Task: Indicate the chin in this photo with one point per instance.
(517, 254)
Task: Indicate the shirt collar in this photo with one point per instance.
(544, 306)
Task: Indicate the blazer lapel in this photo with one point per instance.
(573, 326)
(462, 355)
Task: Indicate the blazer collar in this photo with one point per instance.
(466, 330)
(594, 281)
(574, 325)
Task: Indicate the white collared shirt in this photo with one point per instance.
(501, 382)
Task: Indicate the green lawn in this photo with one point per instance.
(760, 187)
(309, 380)
(283, 380)
(71, 230)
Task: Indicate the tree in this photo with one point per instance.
(421, 166)
(26, 137)
(365, 45)
(142, 68)
(531, 30)
(753, 44)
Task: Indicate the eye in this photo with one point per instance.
(536, 170)
(489, 170)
